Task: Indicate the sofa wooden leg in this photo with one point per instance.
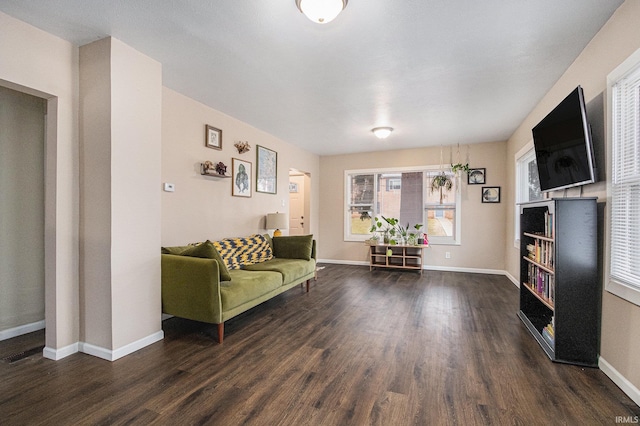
(308, 281)
(220, 332)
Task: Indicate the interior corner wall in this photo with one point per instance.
(35, 62)
(615, 42)
(120, 123)
(482, 223)
(95, 194)
(202, 207)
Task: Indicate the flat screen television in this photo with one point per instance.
(563, 145)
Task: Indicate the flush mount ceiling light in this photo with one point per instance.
(321, 11)
(382, 132)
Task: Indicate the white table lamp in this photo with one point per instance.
(277, 221)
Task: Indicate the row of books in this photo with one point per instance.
(541, 282)
(541, 252)
(548, 333)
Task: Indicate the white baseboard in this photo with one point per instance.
(627, 387)
(57, 354)
(112, 355)
(467, 270)
(430, 268)
(97, 351)
(345, 262)
(21, 329)
(513, 279)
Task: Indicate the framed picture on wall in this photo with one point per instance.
(267, 170)
(490, 194)
(477, 176)
(241, 185)
(213, 137)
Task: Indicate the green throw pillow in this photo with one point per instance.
(173, 250)
(206, 250)
(293, 247)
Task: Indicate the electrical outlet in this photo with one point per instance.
(447, 255)
(169, 187)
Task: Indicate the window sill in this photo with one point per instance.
(628, 293)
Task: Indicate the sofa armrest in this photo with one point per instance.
(191, 288)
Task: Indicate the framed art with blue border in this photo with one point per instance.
(266, 170)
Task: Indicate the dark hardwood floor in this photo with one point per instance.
(380, 348)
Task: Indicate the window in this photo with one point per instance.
(527, 183)
(394, 184)
(406, 195)
(623, 87)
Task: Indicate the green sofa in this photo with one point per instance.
(208, 287)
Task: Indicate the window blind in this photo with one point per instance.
(625, 190)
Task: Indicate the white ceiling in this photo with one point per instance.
(440, 72)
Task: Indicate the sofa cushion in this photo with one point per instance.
(293, 247)
(291, 269)
(246, 286)
(207, 250)
(239, 252)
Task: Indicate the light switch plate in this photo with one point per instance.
(169, 187)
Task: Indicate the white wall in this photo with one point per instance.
(21, 209)
(482, 224)
(136, 148)
(202, 207)
(120, 196)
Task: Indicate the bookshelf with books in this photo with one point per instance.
(560, 293)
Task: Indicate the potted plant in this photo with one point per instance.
(377, 228)
(413, 236)
(401, 232)
(390, 230)
(440, 182)
(455, 168)
(374, 235)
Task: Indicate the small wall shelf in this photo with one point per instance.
(212, 174)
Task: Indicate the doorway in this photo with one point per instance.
(22, 189)
(299, 206)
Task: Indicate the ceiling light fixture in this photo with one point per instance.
(321, 11)
(382, 132)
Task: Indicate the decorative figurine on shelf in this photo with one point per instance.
(207, 167)
(242, 147)
(221, 169)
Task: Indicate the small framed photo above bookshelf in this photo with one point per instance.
(490, 194)
(477, 176)
(213, 137)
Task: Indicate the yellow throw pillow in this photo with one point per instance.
(238, 252)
